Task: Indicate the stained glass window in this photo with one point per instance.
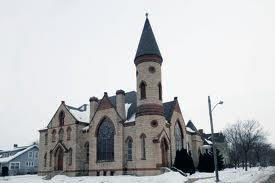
(105, 141)
(129, 145)
(178, 136)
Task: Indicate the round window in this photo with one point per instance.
(154, 123)
(152, 69)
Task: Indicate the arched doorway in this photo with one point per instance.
(59, 157)
(164, 152)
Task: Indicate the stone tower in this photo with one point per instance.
(148, 62)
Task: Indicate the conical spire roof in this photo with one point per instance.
(147, 44)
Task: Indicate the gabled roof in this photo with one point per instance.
(7, 159)
(147, 44)
(168, 108)
(191, 126)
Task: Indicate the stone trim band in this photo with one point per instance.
(148, 58)
(150, 109)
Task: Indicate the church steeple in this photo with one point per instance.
(148, 62)
(147, 44)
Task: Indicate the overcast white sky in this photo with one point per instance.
(70, 50)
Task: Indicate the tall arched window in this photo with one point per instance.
(69, 130)
(61, 118)
(45, 160)
(178, 136)
(61, 134)
(142, 87)
(51, 157)
(160, 91)
(87, 154)
(70, 156)
(53, 135)
(128, 148)
(105, 141)
(46, 138)
(143, 152)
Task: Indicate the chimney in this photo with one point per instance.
(15, 145)
(120, 103)
(93, 106)
(201, 131)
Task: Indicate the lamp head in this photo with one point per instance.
(221, 102)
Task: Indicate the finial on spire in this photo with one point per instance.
(146, 14)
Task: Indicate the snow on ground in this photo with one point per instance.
(170, 177)
(253, 175)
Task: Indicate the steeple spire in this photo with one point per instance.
(147, 44)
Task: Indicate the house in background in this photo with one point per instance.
(19, 160)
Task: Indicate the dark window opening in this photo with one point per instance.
(112, 173)
(160, 91)
(104, 173)
(142, 90)
(97, 173)
(87, 154)
(61, 118)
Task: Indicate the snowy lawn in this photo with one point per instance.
(253, 175)
(170, 177)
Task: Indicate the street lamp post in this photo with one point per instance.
(212, 135)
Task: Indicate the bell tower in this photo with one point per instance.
(148, 62)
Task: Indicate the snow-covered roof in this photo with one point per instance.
(7, 159)
(132, 117)
(189, 130)
(208, 141)
(82, 113)
(86, 128)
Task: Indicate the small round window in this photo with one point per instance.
(154, 123)
(152, 69)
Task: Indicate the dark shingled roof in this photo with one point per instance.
(168, 110)
(191, 125)
(130, 98)
(147, 44)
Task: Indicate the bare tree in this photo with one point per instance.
(243, 137)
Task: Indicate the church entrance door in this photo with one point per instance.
(164, 152)
(60, 160)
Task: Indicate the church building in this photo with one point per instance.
(131, 132)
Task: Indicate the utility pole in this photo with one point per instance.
(213, 141)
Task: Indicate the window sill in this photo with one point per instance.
(103, 161)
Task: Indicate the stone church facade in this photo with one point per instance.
(129, 133)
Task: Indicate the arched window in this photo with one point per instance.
(160, 91)
(45, 160)
(46, 138)
(61, 134)
(142, 87)
(61, 118)
(53, 135)
(143, 152)
(105, 141)
(70, 156)
(69, 130)
(51, 157)
(128, 148)
(87, 154)
(178, 136)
